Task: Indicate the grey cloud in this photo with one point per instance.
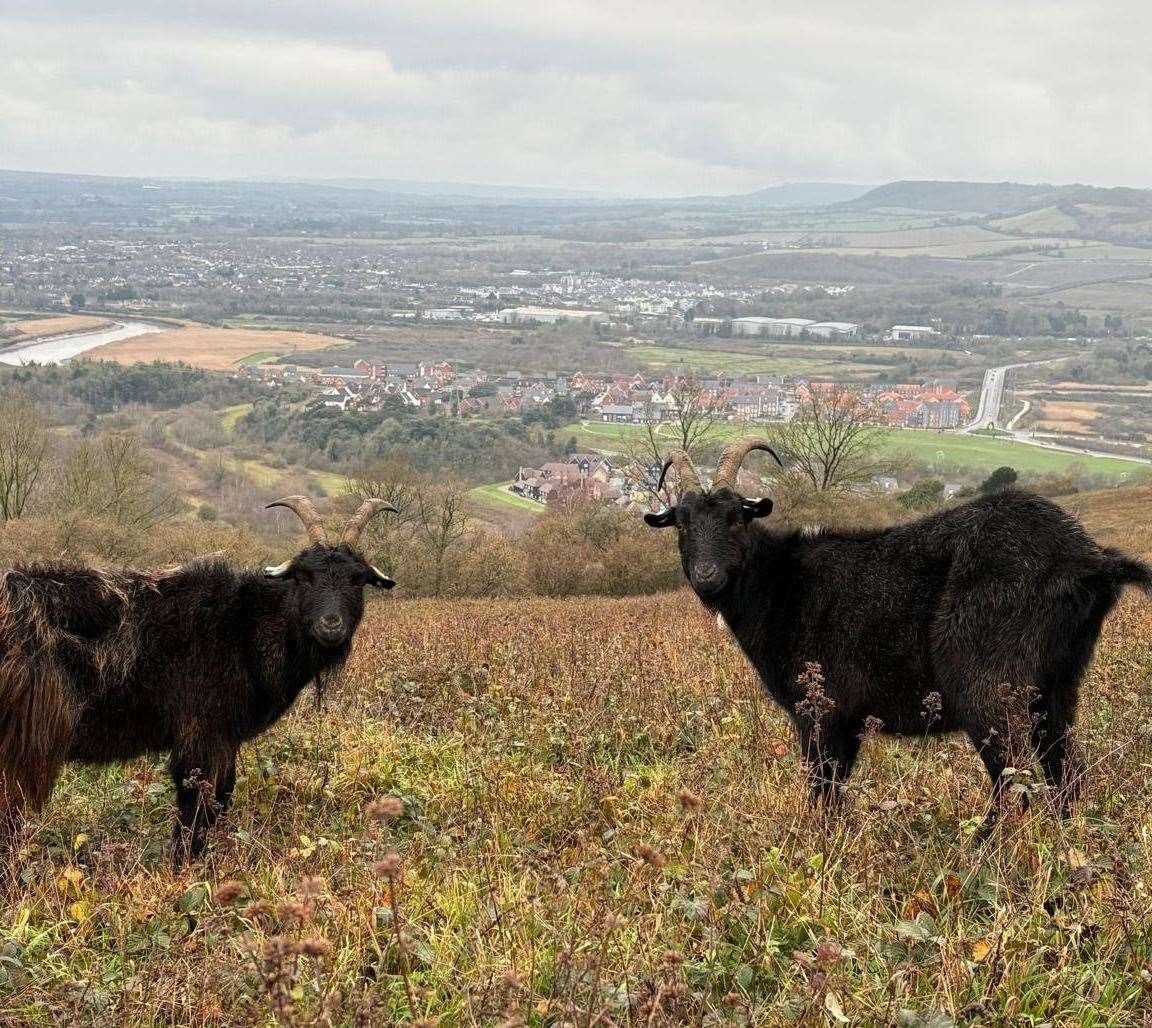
(646, 97)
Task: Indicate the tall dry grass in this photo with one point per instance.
(581, 812)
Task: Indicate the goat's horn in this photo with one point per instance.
(733, 456)
(306, 511)
(366, 512)
(689, 480)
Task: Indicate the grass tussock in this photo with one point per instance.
(579, 812)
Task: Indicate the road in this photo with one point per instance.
(58, 349)
(989, 415)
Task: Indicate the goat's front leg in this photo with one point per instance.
(203, 791)
(830, 751)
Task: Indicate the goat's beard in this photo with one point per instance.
(326, 678)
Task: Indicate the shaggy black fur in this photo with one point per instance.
(980, 619)
(107, 666)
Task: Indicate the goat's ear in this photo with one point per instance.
(377, 578)
(279, 571)
(757, 508)
(661, 519)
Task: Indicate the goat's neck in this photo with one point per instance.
(757, 611)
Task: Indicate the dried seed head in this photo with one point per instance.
(643, 851)
(689, 801)
(315, 947)
(390, 865)
(387, 808)
(229, 892)
(672, 957)
(312, 886)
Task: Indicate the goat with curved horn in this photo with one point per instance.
(364, 513)
(733, 456)
(306, 511)
(685, 472)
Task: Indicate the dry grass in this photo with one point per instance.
(596, 823)
(36, 328)
(217, 349)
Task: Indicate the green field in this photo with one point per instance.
(498, 494)
(947, 452)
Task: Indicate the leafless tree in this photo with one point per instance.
(25, 446)
(691, 425)
(833, 440)
(112, 476)
(443, 517)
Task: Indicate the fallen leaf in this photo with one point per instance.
(832, 1005)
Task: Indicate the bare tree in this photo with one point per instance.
(832, 441)
(690, 424)
(400, 484)
(25, 446)
(112, 476)
(443, 516)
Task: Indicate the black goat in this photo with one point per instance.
(100, 666)
(981, 618)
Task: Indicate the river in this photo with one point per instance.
(58, 349)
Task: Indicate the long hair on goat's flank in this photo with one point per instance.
(39, 707)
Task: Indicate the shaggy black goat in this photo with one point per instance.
(981, 618)
(99, 666)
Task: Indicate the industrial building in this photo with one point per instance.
(549, 315)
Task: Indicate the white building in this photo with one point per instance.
(909, 333)
(778, 328)
(446, 313)
(549, 315)
(833, 330)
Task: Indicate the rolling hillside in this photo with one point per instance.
(1118, 214)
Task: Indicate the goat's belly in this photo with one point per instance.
(98, 742)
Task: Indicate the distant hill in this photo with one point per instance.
(806, 194)
(1121, 214)
(470, 190)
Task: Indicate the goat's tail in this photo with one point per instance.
(1125, 570)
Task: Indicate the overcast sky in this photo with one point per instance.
(654, 98)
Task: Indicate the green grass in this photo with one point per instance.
(499, 494)
(230, 415)
(259, 358)
(948, 452)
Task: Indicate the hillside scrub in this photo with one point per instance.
(559, 811)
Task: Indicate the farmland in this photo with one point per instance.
(597, 818)
(215, 349)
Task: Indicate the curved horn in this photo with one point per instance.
(365, 513)
(689, 480)
(306, 511)
(733, 457)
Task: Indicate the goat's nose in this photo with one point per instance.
(706, 572)
(332, 622)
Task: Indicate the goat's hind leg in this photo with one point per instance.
(203, 791)
(1055, 749)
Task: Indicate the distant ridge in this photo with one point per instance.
(994, 197)
(806, 194)
(471, 190)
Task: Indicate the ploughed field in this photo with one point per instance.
(596, 821)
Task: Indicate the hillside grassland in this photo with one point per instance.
(595, 820)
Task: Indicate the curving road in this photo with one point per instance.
(61, 348)
(989, 415)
